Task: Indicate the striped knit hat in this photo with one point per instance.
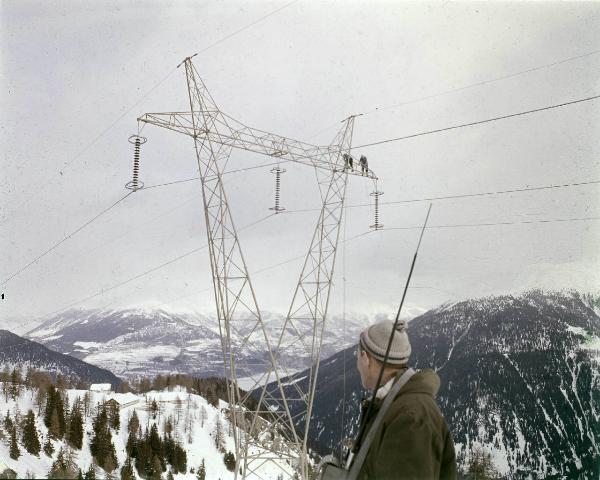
(375, 339)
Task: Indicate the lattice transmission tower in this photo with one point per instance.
(265, 429)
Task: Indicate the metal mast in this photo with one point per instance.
(249, 351)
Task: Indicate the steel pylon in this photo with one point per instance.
(265, 432)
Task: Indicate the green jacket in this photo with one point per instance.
(414, 441)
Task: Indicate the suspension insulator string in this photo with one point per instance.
(277, 171)
(135, 183)
(376, 194)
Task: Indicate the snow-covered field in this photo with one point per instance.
(185, 409)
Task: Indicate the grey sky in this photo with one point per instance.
(71, 69)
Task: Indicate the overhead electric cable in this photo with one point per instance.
(479, 122)
(244, 169)
(56, 245)
(491, 224)
(465, 87)
(460, 195)
(148, 271)
(227, 37)
(160, 82)
(484, 82)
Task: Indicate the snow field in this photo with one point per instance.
(184, 408)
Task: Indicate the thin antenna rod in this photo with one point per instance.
(389, 346)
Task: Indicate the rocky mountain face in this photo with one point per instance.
(520, 378)
(137, 342)
(19, 351)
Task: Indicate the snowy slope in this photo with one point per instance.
(520, 378)
(136, 342)
(24, 353)
(200, 447)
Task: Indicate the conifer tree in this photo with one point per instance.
(31, 441)
(64, 466)
(8, 423)
(201, 475)
(101, 446)
(15, 453)
(90, 473)
(49, 406)
(134, 423)
(218, 435)
(156, 472)
(48, 447)
(75, 431)
(229, 461)
(80, 475)
(203, 416)
(127, 471)
(15, 383)
(131, 445)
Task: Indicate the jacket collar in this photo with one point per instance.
(424, 381)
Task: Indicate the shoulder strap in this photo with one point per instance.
(366, 445)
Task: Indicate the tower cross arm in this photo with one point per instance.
(223, 129)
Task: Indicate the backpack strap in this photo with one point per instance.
(359, 459)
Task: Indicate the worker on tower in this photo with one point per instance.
(348, 162)
(406, 435)
(364, 165)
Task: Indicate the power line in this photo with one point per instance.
(224, 173)
(147, 272)
(490, 224)
(56, 245)
(160, 82)
(462, 195)
(479, 122)
(465, 87)
(484, 82)
(246, 27)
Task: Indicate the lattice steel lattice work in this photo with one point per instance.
(266, 430)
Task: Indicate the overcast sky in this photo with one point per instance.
(76, 75)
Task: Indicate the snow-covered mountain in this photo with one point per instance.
(193, 421)
(136, 342)
(21, 352)
(520, 378)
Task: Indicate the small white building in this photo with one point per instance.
(124, 399)
(100, 387)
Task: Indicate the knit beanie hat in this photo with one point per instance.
(375, 339)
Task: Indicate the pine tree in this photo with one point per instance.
(134, 423)
(8, 423)
(229, 461)
(201, 475)
(127, 471)
(31, 441)
(101, 446)
(49, 406)
(48, 447)
(203, 416)
(80, 475)
(218, 435)
(75, 432)
(64, 466)
(90, 473)
(170, 475)
(15, 453)
(15, 383)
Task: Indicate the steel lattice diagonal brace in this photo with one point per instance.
(307, 314)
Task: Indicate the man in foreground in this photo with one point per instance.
(412, 440)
